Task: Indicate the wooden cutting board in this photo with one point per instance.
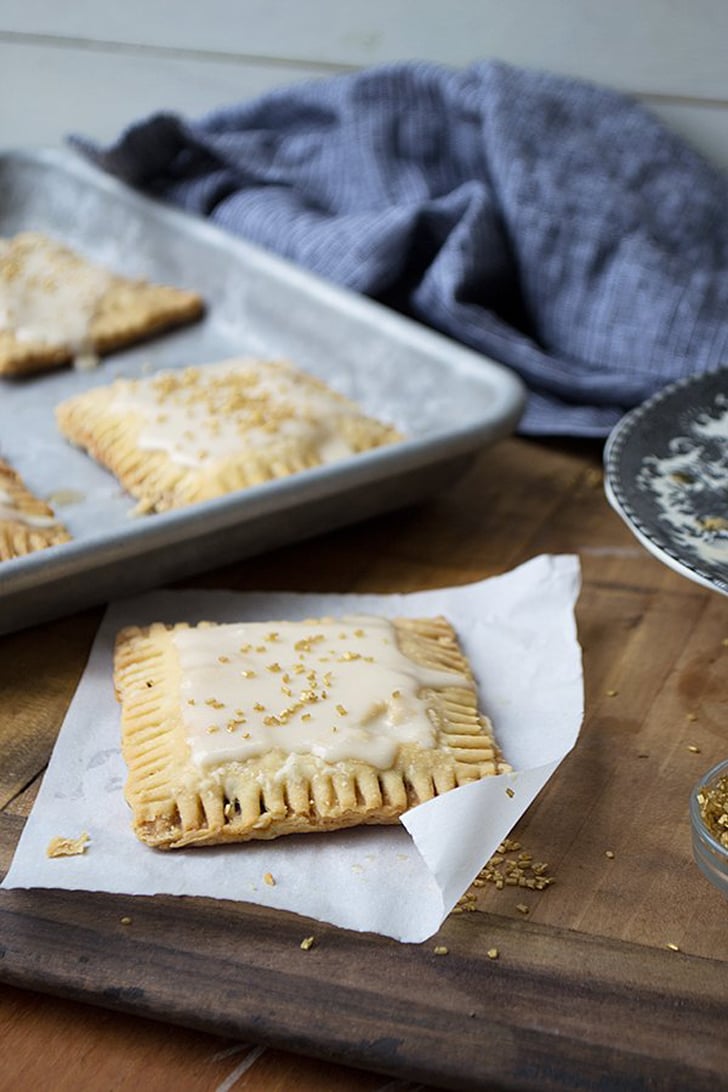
(614, 976)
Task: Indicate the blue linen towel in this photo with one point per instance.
(550, 224)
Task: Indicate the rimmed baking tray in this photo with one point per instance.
(448, 400)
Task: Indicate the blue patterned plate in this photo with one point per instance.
(666, 474)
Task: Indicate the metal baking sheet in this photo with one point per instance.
(450, 402)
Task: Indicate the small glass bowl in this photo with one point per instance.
(710, 856)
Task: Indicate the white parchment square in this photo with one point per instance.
(519, 632)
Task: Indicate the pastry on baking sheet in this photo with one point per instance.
(241, 731)
(183, 436)
(57, 307)
(27, 523)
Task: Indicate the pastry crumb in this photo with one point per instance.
(68, 847)
(125, 921)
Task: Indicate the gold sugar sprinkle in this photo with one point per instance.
(125, 921)
(692, 748)
(609, 853)
(493, 953)
(268, 878)
(510, 792)
(612, 693)
(522, 908)
(505, 871)
(713, 801)
(440, 949)
(673, 947)
(307, 943)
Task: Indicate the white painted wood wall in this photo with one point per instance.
(91, 66)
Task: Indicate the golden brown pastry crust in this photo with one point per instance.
(17, 537)
(110, 433)
(175, 804)
(127, 312)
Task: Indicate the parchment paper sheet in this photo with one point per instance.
(519, 632)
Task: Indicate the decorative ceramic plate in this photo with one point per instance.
(666, 474)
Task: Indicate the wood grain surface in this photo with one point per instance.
(585, 992)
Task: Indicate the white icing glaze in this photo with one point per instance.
(335, 688)
(11, 513)
(48, 294)
(63, 497)
(198, 415)
(14, 515)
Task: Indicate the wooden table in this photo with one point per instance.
(615, 977)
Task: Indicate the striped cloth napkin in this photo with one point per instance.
(550, 224)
